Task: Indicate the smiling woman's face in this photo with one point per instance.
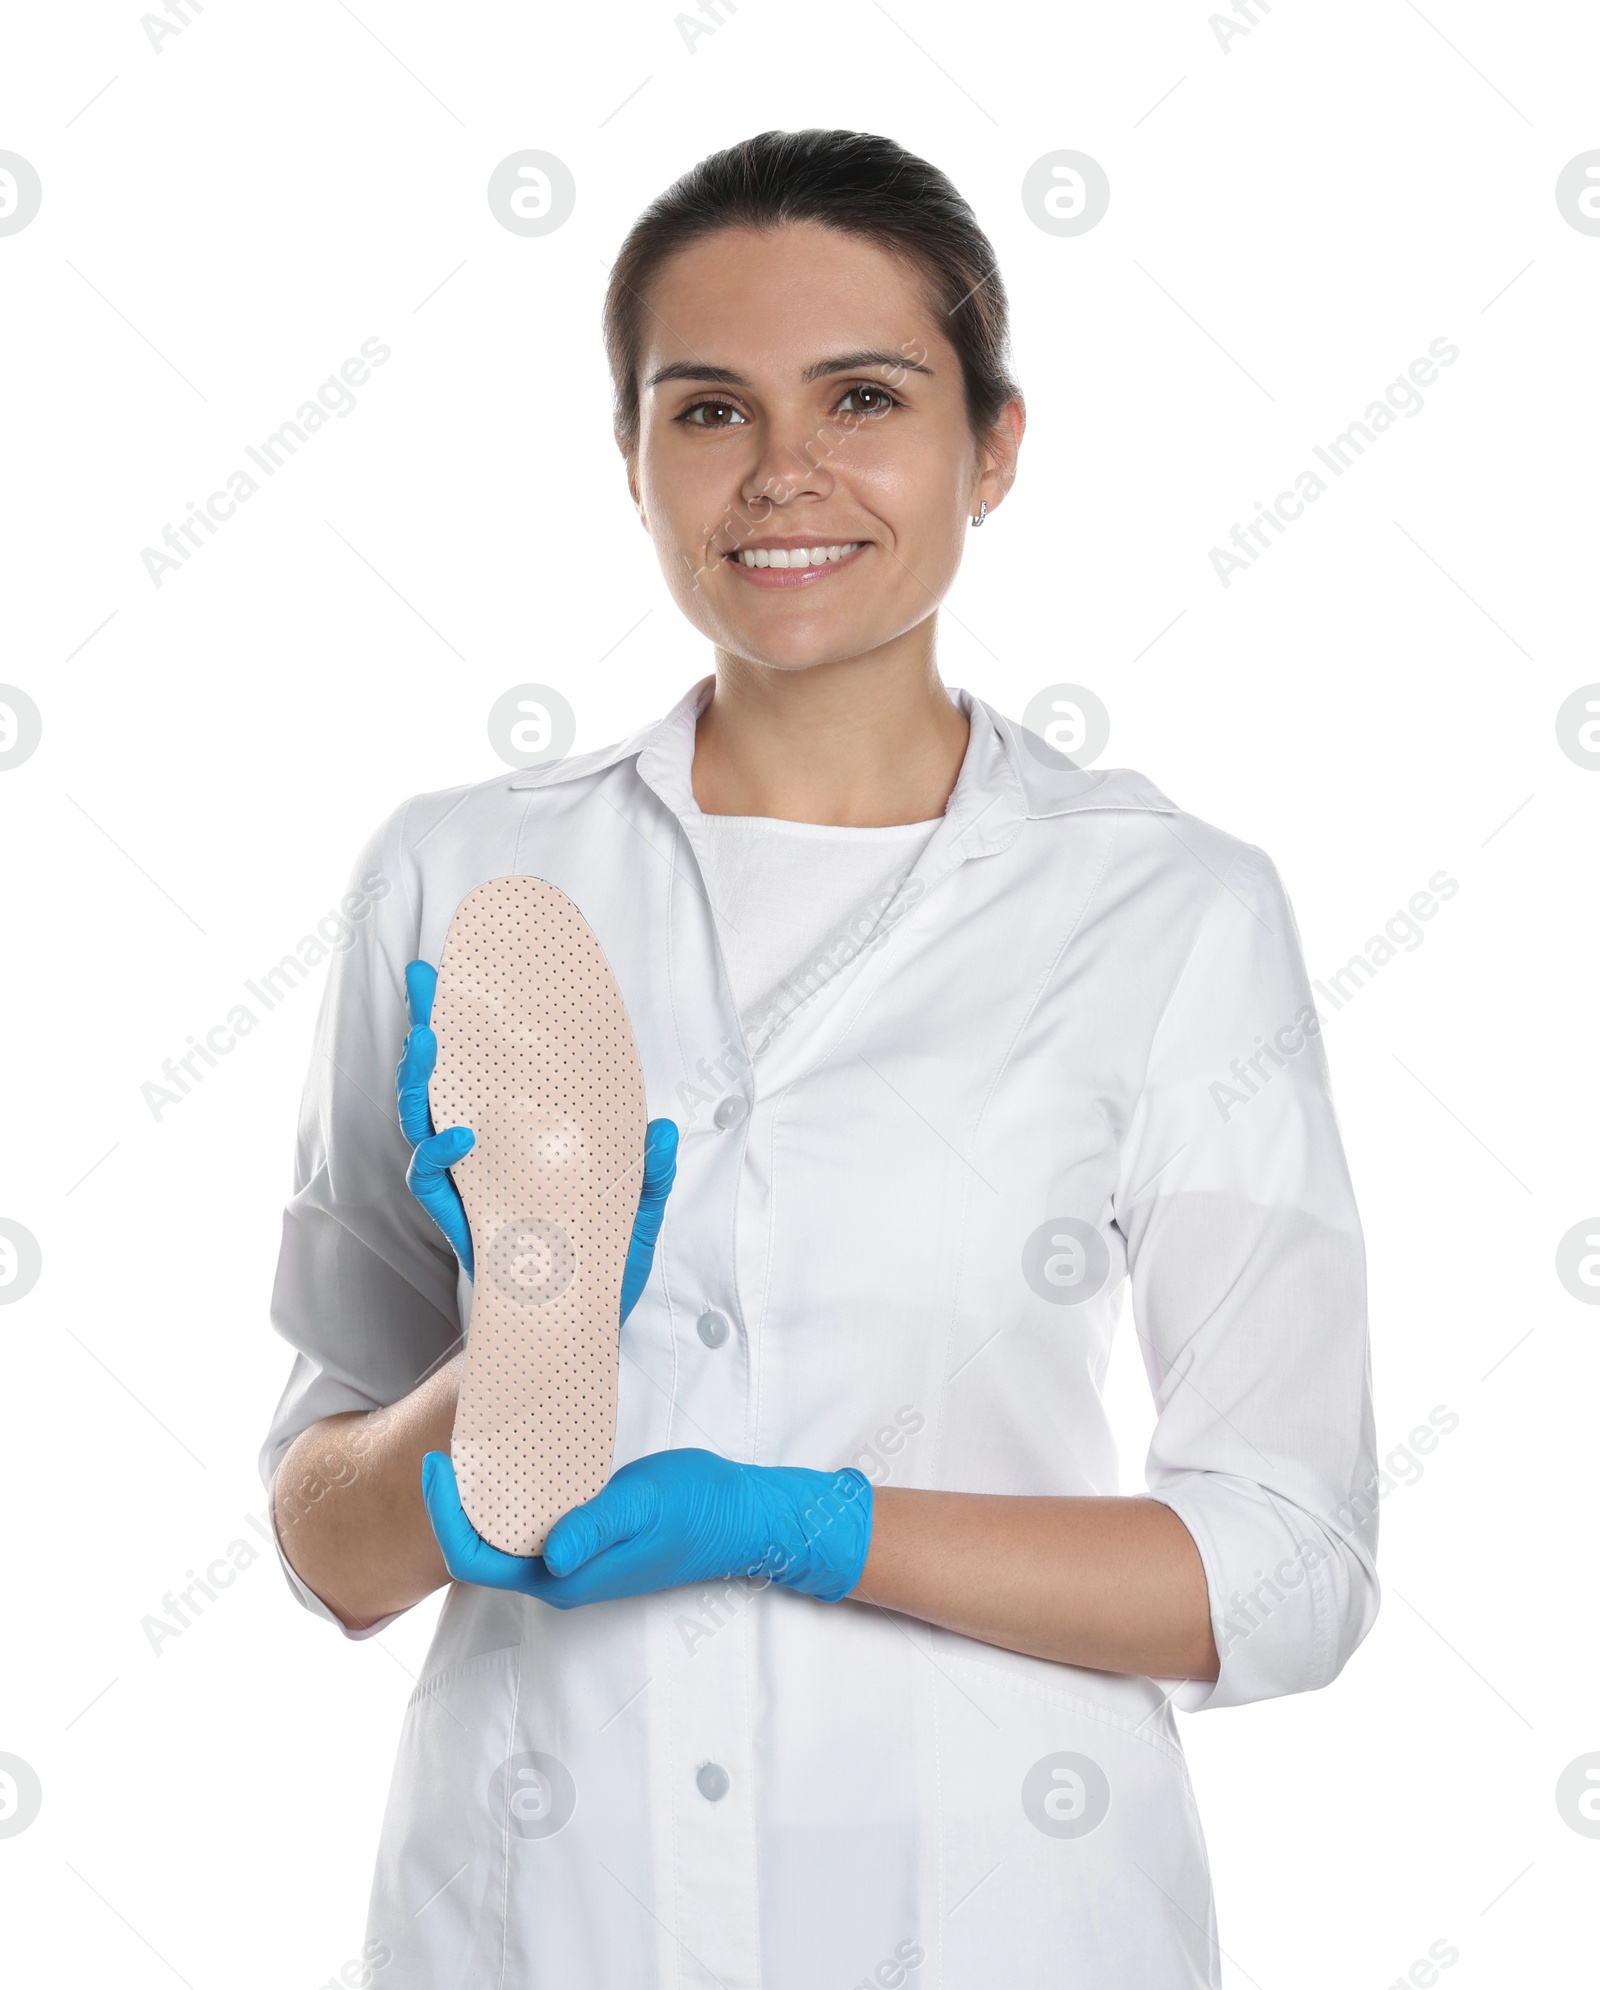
(797, 395)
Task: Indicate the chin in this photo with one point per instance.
(787, 642)
(800, 655)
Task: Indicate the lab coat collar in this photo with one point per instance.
(1007, 775)
(658, 746)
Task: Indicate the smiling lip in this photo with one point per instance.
(848, 551)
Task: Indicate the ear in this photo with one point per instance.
(631, 458)
(997, 455)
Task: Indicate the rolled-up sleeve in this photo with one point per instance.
(1249, 1298)
(366, 1289)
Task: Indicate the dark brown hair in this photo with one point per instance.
(849, 180)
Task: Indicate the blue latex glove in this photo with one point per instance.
(673, 1517)
(435, 1154)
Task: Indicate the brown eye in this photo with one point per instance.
(712, 414)
(869, 400)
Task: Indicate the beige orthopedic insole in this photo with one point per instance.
(537, 1056)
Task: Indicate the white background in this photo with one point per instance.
(1374, 700)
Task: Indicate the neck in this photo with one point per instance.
(863, 743)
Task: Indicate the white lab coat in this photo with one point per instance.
(1077, 1052)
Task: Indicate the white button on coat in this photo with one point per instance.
(1075, 1057)
(712, 1782)
(713, 1327)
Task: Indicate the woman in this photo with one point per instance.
(958, 1038)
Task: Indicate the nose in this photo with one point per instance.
(791, 460)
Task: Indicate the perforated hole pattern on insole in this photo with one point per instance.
(537, 1056)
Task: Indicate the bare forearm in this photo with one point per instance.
(348, 1503)
(1113, 1584)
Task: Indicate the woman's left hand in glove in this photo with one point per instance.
(673, 1517)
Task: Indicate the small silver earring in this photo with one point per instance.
(983, 511)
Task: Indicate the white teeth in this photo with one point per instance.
(799, 556)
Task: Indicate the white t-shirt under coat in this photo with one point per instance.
(789, 896)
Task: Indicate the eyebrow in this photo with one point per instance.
(726, 376)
